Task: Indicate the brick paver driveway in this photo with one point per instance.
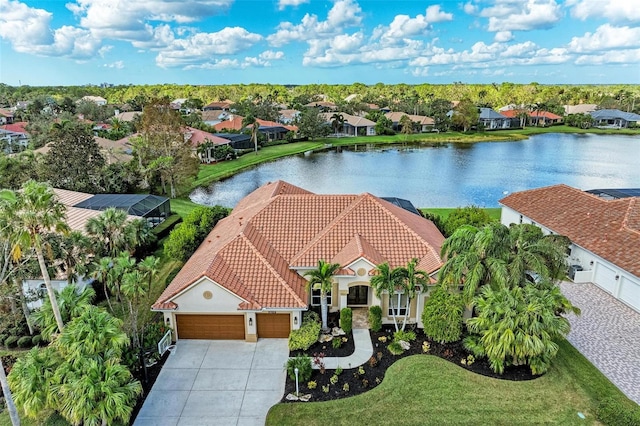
(608, 334)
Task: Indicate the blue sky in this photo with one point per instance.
(58, 42)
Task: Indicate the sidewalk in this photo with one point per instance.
(362, 353)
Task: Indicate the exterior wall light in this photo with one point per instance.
(250, 322)
(617, 277)
(591, 263)
(295, 320)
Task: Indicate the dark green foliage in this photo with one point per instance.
(119, 178)
(305, 336)
(407, 336)
(74, 161)
(36, 340)
(336, 342)
(11, 342)
(310, 316)
(346, 318)
(470, 215)
(186, 237)
(303, 364)
(612, 412)
(25, 342)
(436, 219)
(442, 315)
(165, 227)
(375, 318)
(311, 124)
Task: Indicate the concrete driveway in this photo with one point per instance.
(222, 382)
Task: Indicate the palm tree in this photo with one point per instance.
(337, 121)
(252, 122)
(389, 280)
(72, 304)
(11, 407)
(412, 279)
(108, 229)
(101, 272)
(37, 212)
(321, 279)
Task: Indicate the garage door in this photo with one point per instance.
(605, 278)
(210, 326)
(273, 325)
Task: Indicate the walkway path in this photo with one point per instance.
(362, 353)
(607, 333)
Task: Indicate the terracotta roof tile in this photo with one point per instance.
(608, 228)
(254, 250)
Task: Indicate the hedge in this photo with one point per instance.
(346, 320)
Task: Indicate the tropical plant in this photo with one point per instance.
(305, 336)
(406, 124)
(8, 397)
(388, 280)
(375, 318)
(253, 124)
(337, 122)
(72, 304)
(114, 233)
(321, 279)
(442, 315)
(518, 326)
(470, 215)
(303, 364)
(36, 212)
(412, 279)
(346, 320)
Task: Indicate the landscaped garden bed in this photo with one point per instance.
(354, 380)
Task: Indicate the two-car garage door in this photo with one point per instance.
(231, 327)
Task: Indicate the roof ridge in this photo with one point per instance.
(326, 229)
(624, 226)
(264, 261)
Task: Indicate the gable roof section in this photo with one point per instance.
(489, 114)
(396, 116)
(608, 228)
(280, 227)
(611, 114)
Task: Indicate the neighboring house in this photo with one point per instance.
(492, 120)
(580, 108)
(213, 117)
(14, 137)
(6, 116)
(604, 233)
(353, 125)
(269, 129)
(288, 116)
(535, 118)
(98, 100)
(177, 103)
(199, 137)
(218, 106)
(614, 118)
(128, 116)
(112, 151)
(237, 141)
(246, 280)
(36, 289)
(423, 123)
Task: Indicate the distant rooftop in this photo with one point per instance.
(402, 203)
(614, 194)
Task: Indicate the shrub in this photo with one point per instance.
(36, 340)
(470, 215)
(395, 348)
(336, 343)
(345, 387)
(611, 411)
(24, 342)
(11, 342)
(310, 316)
(338, 371)
(303, 364)
(442, 315)
(181, 242)
(325, 389)
(305, 336)
(375, 318)
(346, 319)
(333, 380)
(312, 385)
(407, 336)
(426, 347)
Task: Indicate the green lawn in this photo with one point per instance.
(426, 390)
(182, 206)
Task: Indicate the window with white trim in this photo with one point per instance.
(316, 299)
(393, 304)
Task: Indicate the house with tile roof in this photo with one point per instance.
(424, 123)
(614, 118)
(604, 233)
(14, 137)
(535, 118)
(246, 280)
(269, 129)
(352, 125)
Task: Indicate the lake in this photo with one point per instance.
(448, 175)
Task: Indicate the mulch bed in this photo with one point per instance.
(147, 384)
(359, 380)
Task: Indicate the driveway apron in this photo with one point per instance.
(217, 382)
(607, 333)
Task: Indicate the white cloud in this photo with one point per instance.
(630, 56)
(519, 50)
(199, 47)
(615, 11)
(117, 65)
(282, 4)
(503, 36)
(606, 37)
(347, 43)
(434, 14)
(470, 8)
(28, 30)
(343, 14)
(271, 55)
(216, 64)
(514, 15)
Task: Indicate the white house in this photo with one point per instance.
(605, 233)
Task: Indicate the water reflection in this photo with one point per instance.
(448, 175)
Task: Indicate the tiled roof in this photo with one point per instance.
(197, 136)
(349, 119)
(19, 127)
(512, 113)
(396, 116)
(280, 227)
(235, 123)
(612, 114)
(608, 228)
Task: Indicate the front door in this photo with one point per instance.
(358, 295)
